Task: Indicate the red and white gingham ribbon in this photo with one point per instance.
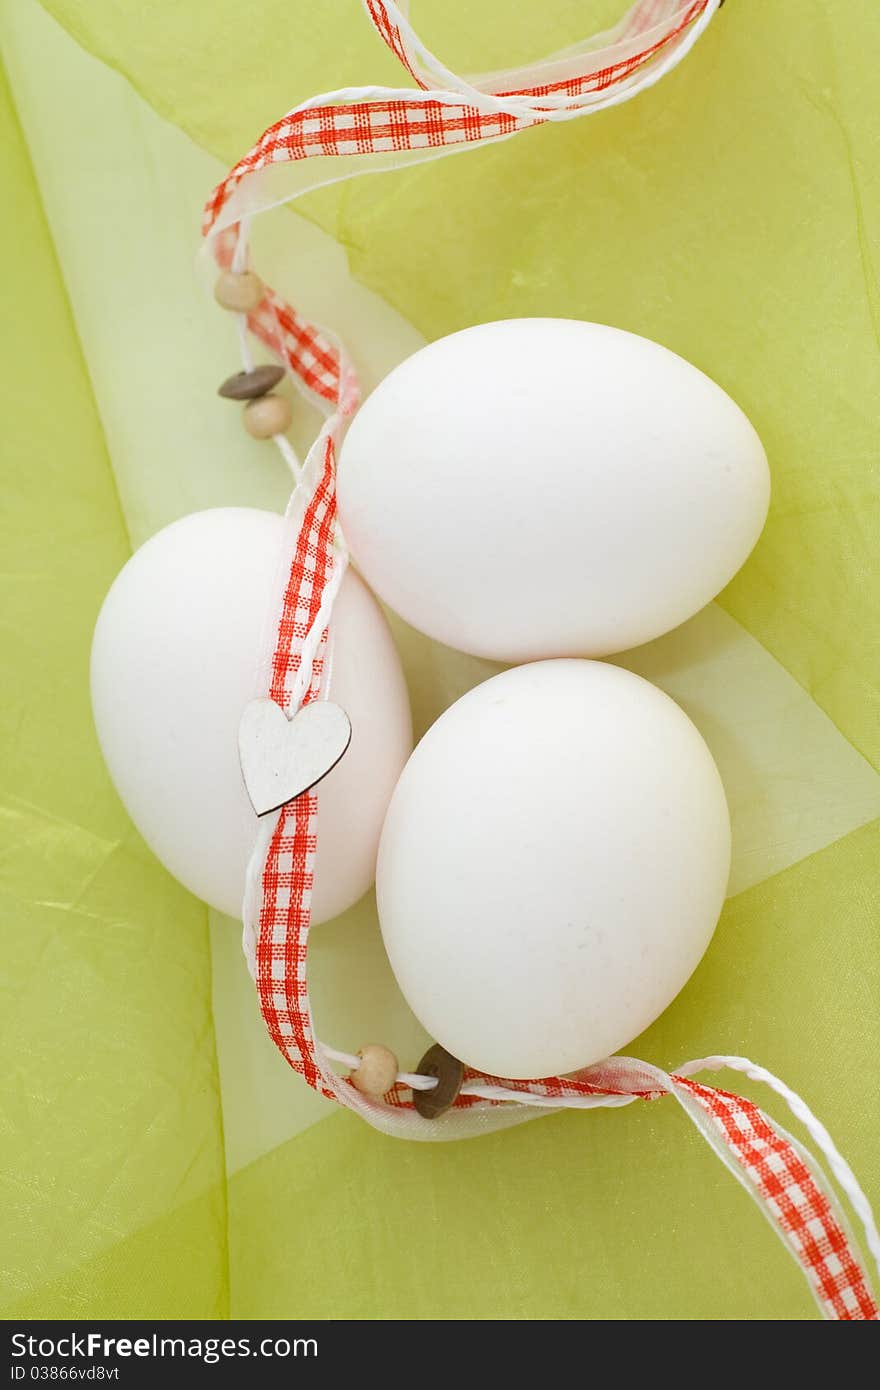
(336, 136)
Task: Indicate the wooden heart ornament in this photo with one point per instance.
(281, 758)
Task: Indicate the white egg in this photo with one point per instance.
(546, 487)
(173, 666)
(552, 867)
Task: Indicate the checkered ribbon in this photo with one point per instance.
(370, 128)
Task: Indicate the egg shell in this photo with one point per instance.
(546, 487)
(174, 659)
(552, 867)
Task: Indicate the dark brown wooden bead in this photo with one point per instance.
(449, 1072)
(249, 386)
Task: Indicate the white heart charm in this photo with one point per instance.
(281, 758)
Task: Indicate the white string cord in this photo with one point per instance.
(562, 107)
(405, 1078)
(484, 1090)
(244, 346)
(506, 1093)
(814, 1127)
(843, 1173)
(549, 108)
(240, 251)
(290, 456)
(313, 637)
(238, 265)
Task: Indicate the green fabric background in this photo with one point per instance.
(732, 214)
(110, 1116)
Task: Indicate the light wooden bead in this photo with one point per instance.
(268, 416)
(240, 291)
(377, 1071)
